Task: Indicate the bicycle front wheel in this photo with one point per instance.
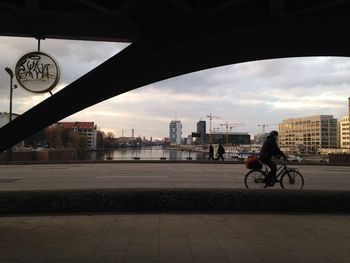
(292, 180)
(254, 179)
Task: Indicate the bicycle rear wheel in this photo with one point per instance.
(292, 180)
(254, 179)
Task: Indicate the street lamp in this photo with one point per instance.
(9, 71)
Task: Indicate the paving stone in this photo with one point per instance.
(172, 231)
(176, 259)
(213, 217)
(173, 243)
(176, 238)
(106, 256)
(232, 244)
(142, 250)
(79, 253)
(148, 219)
(13, 253)
(210, 259)
(268, 252)
(166, 252)
(242, 256)
(169, 217)
(114, 244)
(41, 257)
(210, 249)
(141, 260)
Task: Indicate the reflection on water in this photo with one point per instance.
(146, 153)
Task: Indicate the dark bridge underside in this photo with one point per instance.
(169, 38)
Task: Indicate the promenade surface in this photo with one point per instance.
(180, 237)
(155, 175)
(176, 236)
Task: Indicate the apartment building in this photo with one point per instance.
(87, 129)
(308, 134)
(344, 133)
(344, 130)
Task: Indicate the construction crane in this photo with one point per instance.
(217, 129)
(266, 125)
(231, 125)
(210, 116)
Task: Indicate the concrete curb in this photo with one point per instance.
(158, 162)
(162, 200)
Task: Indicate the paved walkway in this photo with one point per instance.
(176, 238)
(154, 175)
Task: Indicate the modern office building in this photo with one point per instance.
(233, 138)
(87, 129)
(308, 134)
(175, 132)
(201, 129)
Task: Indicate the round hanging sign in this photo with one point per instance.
(37, 72)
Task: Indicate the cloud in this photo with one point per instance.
(253, 93)
(75, 58)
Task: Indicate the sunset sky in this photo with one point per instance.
(261, 92)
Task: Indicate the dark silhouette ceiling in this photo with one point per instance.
(169, 38)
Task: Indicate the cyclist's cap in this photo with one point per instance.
(274, 133)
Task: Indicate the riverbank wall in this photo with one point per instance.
(32, 156)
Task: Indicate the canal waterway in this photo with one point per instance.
(144, 153)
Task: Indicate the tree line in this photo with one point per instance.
(55, 136)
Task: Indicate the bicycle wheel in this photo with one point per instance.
(254, 179)
(292, 180)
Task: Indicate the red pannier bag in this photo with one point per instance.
(253, 162)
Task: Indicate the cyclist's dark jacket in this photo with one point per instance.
(269, 149)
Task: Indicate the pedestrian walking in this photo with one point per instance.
(220, 152)
(211, 152)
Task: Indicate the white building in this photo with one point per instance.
(87, 129)
(175, 132)
(344, 133)
(344, 130)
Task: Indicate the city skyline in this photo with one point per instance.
(262, 92)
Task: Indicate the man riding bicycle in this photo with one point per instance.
(268, 150)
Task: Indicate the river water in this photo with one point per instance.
(145, 153)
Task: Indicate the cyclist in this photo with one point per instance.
(268, 150)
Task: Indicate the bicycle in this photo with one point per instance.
(289, 178)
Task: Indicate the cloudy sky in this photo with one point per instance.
(261, 92)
